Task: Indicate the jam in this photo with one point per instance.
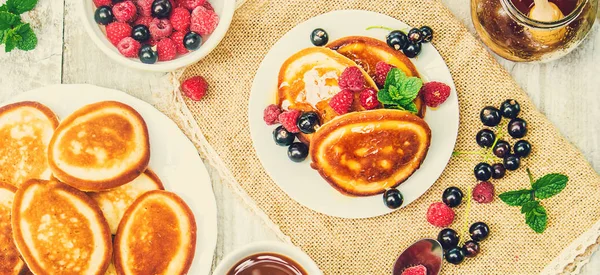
(267, 264)
(565, 6)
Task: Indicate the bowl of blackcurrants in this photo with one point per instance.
(94, 22)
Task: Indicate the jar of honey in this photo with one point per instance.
(516, 31)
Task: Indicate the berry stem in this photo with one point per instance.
(530, 176)
(465, 231)
(458, 153)
(380, 27)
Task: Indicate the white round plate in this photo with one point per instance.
(299, 180)
(172, 157)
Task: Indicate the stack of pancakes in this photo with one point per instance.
(66, 187)
(360, 153)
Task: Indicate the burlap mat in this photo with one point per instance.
(370, 246)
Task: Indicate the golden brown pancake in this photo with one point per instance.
(100, 146)
(25, 131)
(367, 51)
(60, 230)
(10, 261)
(114, 202)
(156, 236)
(365, 153)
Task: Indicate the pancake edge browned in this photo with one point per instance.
(34, 104)
(128, 215)
(108, 183)
(33, 263)
(13, 189)
(355, 117)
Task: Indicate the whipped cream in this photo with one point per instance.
(316, 88)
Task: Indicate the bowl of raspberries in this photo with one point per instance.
(157, 35)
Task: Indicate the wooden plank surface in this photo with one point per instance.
(567, 91)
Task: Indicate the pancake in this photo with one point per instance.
(365, 153)
(60, 230)
(10, 261)
(156, 236)
(367, 51)
(114, 202)
(25, 132)
(100, 146)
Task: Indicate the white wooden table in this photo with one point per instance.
(567, 91)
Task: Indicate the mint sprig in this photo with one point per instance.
(400, 91)
(545, 187)
(13, 32)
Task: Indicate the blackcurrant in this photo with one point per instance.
(308, 122)
(397, 40)
(427, 34)
(498, 170)
(103, 15)
(517, 128)
(490, 116)
(147, 54)
(412, 49)
(283, 137)
(522, 148)
(192, 41)
(485, 138)
(319, 37)
(501, 149)
(455, 256)
(448, 238)
(452, 196)
(415, 35)
(471, 249)
(161, 8)
(479, 231)
(510, 108)
(483, 171)
(140, 33)
(393, 198)
(512, 162)
(297, 152)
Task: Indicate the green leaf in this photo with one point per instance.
(537, 219)
(8, 20)
(412, 107)
(394, 93)
(28, 39)
(516, 198)
(11, 40)
(384, 97)
(2, 35)
(528, 206)
(20, 6)
(549, 185)
(411, 87)
(3, 8)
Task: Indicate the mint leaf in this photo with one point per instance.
(3, 8)
(384, 97)
(411, 87)
(516, 198)
(394, 93)
(411, 107)
(549, 185)
(2, 35)
(537, 218)
(11, 39)
(20, 6)
(28, 39)
(528, 206)
(8, 20)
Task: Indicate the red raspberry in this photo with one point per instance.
(440, 214)
(144, 7)
(143, 20)
(415, 270)
(342, 101)
(483, 192)
(166, 49)
(100, 3)
(160, 28)
(352, 79)
(129, 47)
(180, 19)
(288, 119)
(204, 21)
(177, 38)
(124, 11)
(192, 4)
(271, 114)
(381, 71)
(116, 31)
(194, 87)
(435, 93)
(208, 6)
(368, 99)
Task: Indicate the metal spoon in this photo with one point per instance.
(426, 252)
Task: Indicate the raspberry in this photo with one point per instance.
(180, 19)
(342, 101)
(100, 3)
(143, 20)
(116, 31)
(194, 87)
(415, 270)
(288, 119)
(192, 4)
(352, 78)
(271, 114)
(440, 214)
(208, 6)
(381, 71)
(435, 93)
(177, 38)
(166, 49)
(368, 99)
(144, 7)
(483, 192)
(160, 28)
(204, 21)
(124, 11)
(129, 47)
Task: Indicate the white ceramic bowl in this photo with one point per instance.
(269, 247)
(224, 8)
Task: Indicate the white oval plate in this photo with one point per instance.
(304, 184)
(172, 157)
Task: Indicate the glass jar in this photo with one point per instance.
(504, 26)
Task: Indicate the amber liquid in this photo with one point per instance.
(267, 264)
(565, 6)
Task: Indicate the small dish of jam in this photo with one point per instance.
(267, 258)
